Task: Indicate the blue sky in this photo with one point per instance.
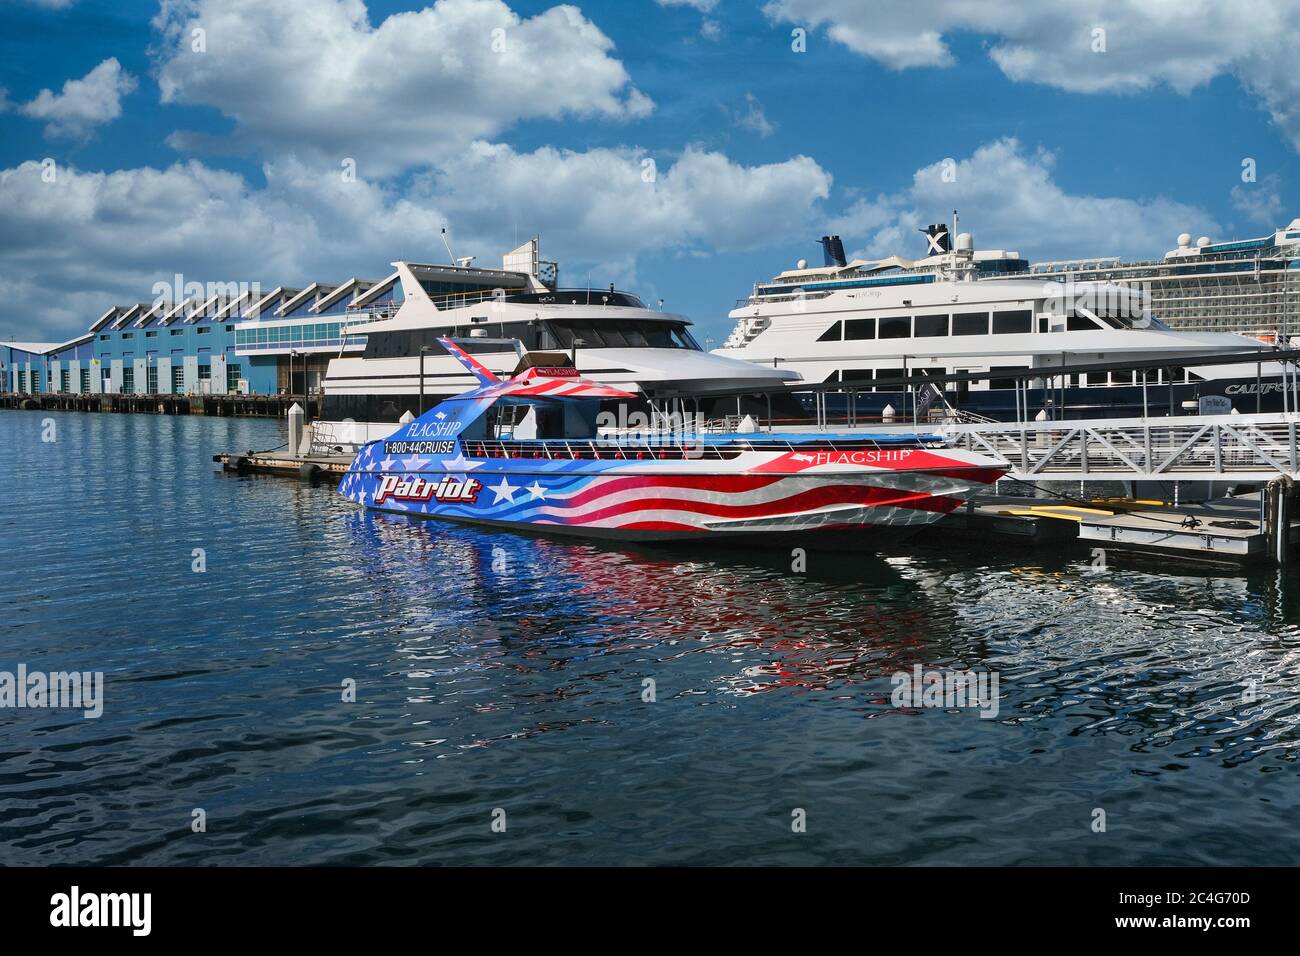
(1060, 149)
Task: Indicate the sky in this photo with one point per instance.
(682, 149)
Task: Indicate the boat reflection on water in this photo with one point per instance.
(1207, 662)
(533, 598)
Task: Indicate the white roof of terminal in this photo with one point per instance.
(35, 347)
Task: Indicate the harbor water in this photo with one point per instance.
(289, 680)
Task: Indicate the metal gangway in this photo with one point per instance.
(1247, 448)
(1042, 444)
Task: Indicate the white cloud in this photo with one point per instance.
(598, 205)
(1260, 202)
(1007, 199)
(1182, 44)
(315, 78)
(754, 117)
(91, 101)
(98, 239)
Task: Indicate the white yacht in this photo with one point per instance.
(613, 337)
(861, 321)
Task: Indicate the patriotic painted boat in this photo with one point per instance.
(525, 453)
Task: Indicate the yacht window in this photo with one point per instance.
(1121, 378)
(832, 334)
(1096, 378)
(970, 323)
(888, 373)
(1104, 320)
(612, 337)
(1148, 375)
(896, 327)
(833, 377)
(859, 329)
(850, 375)
(931, 326)
(1080, 323)
(621, 333)
(1009, 323)
(1004, 369)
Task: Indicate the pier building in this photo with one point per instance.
(228, 339)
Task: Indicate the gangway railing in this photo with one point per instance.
(1184, 448)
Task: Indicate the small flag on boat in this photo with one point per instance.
(925, 398)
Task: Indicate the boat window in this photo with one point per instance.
(859, 329)
(832, 334)
(931, 326)
(970, 323)
(1080, 323)
(621, 333)
(1004, 369)
(1121, 378)
(857, 375)
(1097, 378)
(612, 337)
(896, 327)
(889, 373)
(833, 377)
(1010, 323)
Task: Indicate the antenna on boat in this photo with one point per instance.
(450, 254)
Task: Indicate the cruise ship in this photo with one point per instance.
(962, 311)
(1249, 286)
(611, 336)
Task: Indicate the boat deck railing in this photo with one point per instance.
(677, 448)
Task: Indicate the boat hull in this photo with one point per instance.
(860, 508)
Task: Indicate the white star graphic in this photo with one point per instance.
(460, 463)
(537, 490)
(415, 462)
(388, 463)
(505, 491)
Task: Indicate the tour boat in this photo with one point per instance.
(541, 451)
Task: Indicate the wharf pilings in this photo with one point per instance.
(259, 406)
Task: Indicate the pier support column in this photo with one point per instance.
(1279, 519)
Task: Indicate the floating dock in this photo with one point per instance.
(1225, 529)
(1232, 529)
(285, 463)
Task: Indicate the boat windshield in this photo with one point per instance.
(620, 334)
